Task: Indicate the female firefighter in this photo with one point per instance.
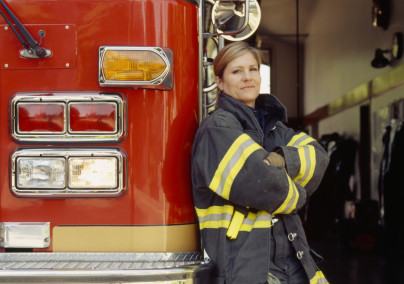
(250, 176)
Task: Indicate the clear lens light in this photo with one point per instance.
(93, 173)
(40, 172)
(132, 65)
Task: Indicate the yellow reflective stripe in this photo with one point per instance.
(318, 278)
(214, 224)
(300, 139)
(231, 164)
(307, 156)
(236, 169)
(295, 138)
(291, 199)
(261, 219)
(306, 141)
(303, 166)
(295, 197)
(223, 163)
(216, 217)
(214, 210)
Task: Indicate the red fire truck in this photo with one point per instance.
(99, 103)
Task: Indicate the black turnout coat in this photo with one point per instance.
(237, 196)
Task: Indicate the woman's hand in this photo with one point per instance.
(275, 160)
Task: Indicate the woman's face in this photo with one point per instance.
(241, 79)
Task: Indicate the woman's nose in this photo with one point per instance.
(247, 75)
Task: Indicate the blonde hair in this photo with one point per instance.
(232, 51)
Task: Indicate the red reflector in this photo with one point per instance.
(95, 117)
(33, 117)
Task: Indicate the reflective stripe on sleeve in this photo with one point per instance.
(231, 164)
(300, 139)
(291, 199)
(318, 278)
(307, 156)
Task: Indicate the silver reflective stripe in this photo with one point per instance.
(215, 217)
(322, 281)
(248, 221)
(308, 164)
(300, 140)
(232, 162)
(257, 218)
(293, 199)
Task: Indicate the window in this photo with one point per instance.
(265, 72)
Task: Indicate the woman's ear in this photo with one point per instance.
(219, 83)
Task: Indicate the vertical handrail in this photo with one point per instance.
(203, 92)
(200, 59)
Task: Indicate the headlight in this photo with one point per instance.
(67, 172)
(93, 173)
(40, 173)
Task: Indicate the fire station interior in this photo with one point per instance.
(338, 68)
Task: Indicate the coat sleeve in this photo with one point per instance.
(306, 160)
(229, 163)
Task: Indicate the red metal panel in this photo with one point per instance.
(161, 124)
(59, 39)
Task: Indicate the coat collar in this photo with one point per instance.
(243, 113)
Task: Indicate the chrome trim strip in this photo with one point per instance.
(67, 153)
(167, 268)
(68, 136)
(181, 275)
(164, 81)
(98, 260)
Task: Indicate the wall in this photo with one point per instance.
(283, 72)
(338, 52)
(340, 46)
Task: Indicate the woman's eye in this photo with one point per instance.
(236, 71)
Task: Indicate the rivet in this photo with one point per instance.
(6, 28)
(6, 65)
(67, 64)
(67, 27)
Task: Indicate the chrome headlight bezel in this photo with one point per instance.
(67, 154)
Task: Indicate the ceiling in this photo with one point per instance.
(278, 18)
